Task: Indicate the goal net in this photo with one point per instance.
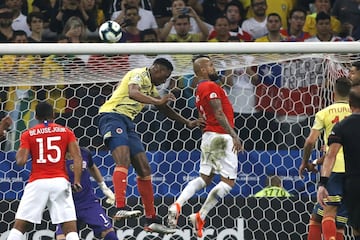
(275, 89)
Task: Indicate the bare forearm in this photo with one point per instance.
(328, 166)
(138, 96)
(307, 152)
(224, 123)
(170, 113)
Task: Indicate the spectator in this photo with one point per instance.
(162, 11)
(323, 29)
(36, 24)
(233, 13)
(74, 30)
(273, 25)
(348, 12)
(273, 188)
(47, 7)
(182, 28)
(19, 19)
(281, 7)
(296, 21)
(148, 35)
(221, 30)
(6, 31)
(70, 8)
(256, 25)
(310, 22)
(92, 9)
(117, 5)
(178, 7)
(19, 36)
(213, 9)
(147, 19)
(131, 33)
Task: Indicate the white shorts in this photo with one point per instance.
(55, 193)
(217, 155)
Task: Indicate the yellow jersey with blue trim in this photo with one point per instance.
(121, 103)
(325, 120)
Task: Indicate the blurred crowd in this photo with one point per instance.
(181, 20)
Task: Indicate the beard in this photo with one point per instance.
(213, 77)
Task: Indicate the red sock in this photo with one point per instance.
(147, 195)
(340, 234)
(120, 184)
(329, 228)
(314, 230)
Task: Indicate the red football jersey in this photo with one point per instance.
(205, 91)
(48, 145)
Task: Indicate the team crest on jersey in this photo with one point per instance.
(213, 95)
(119, 131)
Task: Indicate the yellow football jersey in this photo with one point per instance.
(325, 120)
(120, 102)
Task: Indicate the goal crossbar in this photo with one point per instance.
(180, 48)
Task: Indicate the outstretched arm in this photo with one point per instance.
(172, 114)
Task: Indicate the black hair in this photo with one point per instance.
(18, 33)
(322, 16)
(274, 14)
(354, 96)
(343, 86)
(34, 15)
(164, 62)
(297, 10)
(44, 111)
(238, 5)
(146, 32)
(356, 65)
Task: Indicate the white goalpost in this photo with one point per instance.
(275, 89)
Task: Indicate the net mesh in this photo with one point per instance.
(275, 97)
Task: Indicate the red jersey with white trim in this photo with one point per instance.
(47, 143)
(205, 91)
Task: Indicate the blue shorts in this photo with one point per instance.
(335, 188)
(93, 215)
(118, 130)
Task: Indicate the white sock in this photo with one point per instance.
(191, 188)
(15, 235)
(72, 236)
(215, 195)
